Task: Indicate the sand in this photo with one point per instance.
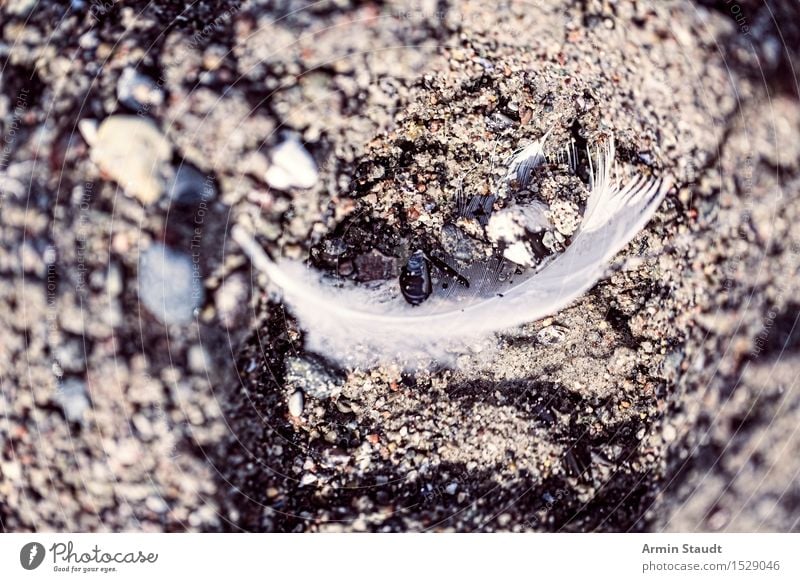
(666, 398)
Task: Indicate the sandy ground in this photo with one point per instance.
(666, 398)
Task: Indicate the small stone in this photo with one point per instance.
(156, 504)
(71, 356)
(170, 286)
(11, 470)
(497, 122)
(73, 399)
(114, 282)
(311, 377)
(451, 488)
(670, 434)
(457, 243)
(189, 186)
(291, 166)
(346, 268)
(333, 248)
(308, 479)
(551, 335)
(127, 453)
(137, 91)
(718, 519)
(20, 7)
(296, 403)
(231, 300)
(142, 425)
(198, 359)
(133, 152)
(375, 266)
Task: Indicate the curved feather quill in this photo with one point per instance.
(364, 327)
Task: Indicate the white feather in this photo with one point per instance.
(364, 327)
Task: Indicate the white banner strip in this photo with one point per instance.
(389, 557)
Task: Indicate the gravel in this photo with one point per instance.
(151, 381)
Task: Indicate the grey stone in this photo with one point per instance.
(170, 285)
(73, 399)
(311, 377)
(189, 186)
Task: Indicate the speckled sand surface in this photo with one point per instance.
(666, 398)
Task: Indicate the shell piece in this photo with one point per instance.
(292, 166)
(133, 152)
(513, 227)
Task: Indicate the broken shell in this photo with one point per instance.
(292, 166)
(132, 151)
(515, 227)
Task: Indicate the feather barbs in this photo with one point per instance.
(361, 327)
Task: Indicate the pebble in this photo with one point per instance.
(311, 378)
(70, 356)
(457, 243)
(156, 504)
(375, 266)
(137, 91)
(143, 426)
(198, 359)
(232, 300)
(114, 281)
(20, 7)
(169, 285)
(189, 186)
(670, 434)
(497, 122)
(551, 335)
(291, 166)
(73, 399)
(333, 248)
(296, 403)
(308, 479)
(11, 470)
(132, 151)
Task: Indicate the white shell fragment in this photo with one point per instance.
(511, 227)
(360, 327)
(296, 403)
(291, 166)
(132, 151)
